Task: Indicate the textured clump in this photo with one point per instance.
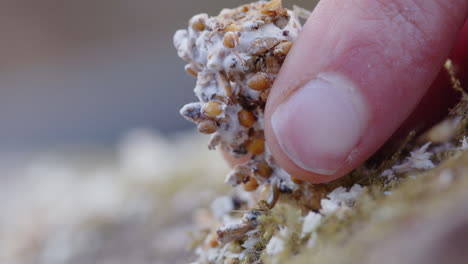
(236, 57)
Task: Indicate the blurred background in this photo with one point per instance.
(86, 72)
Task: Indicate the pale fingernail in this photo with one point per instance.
(321, 123)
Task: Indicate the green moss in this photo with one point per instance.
(376, 216)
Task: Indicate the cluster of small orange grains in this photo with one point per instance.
(251, 184)
(236, 57)
(259, 81)
(263, 170)
(198, 26)
(256, 146)
(246, 118)
(243, 92)
(213, 242)
(231, 40)
(213, 109)
(190, 70)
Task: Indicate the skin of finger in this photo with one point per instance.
(434, 106)
(392, 50)
(439, 99)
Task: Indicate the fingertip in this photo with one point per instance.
(319, 125)
(320, 128)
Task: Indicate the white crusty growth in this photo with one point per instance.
(236, 57)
